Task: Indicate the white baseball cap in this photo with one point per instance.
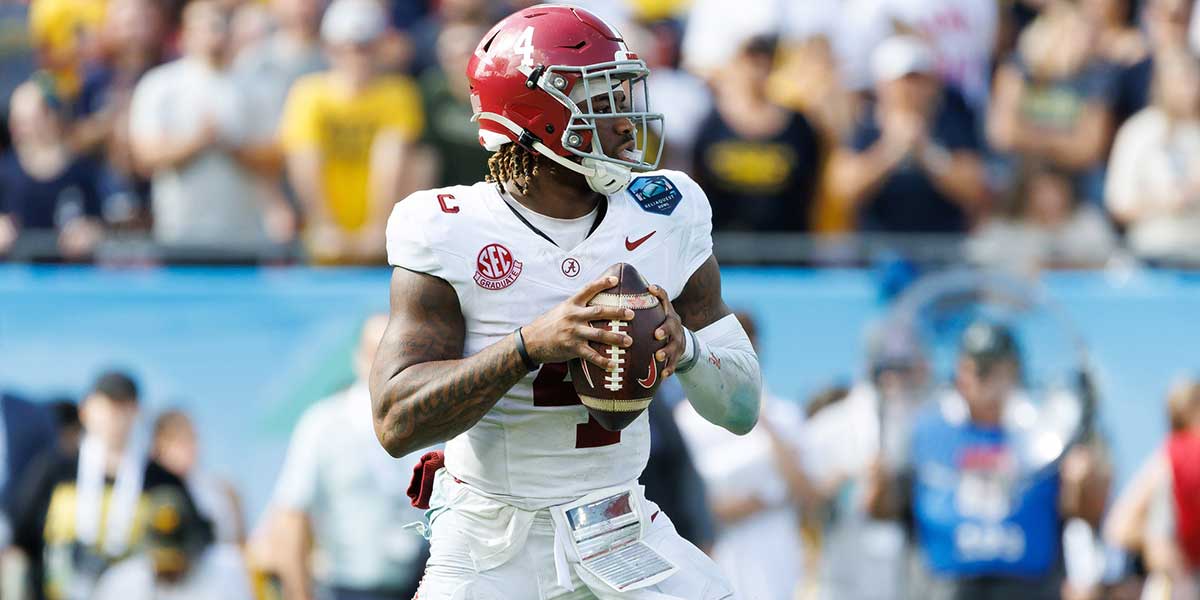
(353, 22)
(900, 55)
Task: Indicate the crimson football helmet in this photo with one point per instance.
(536, 78)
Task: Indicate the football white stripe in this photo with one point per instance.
(634, 301)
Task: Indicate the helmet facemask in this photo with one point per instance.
(593, 85)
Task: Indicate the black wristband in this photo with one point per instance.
(525, 358)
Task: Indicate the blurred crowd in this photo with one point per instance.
(899, 484)
(1044, 133)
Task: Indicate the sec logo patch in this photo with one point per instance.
(655, 194)
(495, 267)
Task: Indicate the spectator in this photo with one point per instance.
(962, 36)
(44, 187)
(347, 134)
(1120, 46)
(189, 121)
(913, 164)
(250, 25)
(690, 98)
(293, 50)
(131, 43)
(451, 134)
(864, 557)
(64, 33)
(1052, 101)
(987, 525)
(1048, 226)
(66, 419)
(714, 37)
(17, 57)
(758, 162)
(1165, 23)
(670, 476)
(177, 560)
(751, 489)
(342, 494)
(77, 514)
(1153, 182)
(426, 30)
(1155, 515)
(175, 448)
(27, 431)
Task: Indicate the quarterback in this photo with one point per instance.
(489, 301)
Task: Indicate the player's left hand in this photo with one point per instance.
(670, 333)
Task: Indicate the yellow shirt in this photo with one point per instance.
(60, 29)
(342, 128)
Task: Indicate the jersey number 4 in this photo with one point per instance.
(551, 388)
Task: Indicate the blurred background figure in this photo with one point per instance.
(348, 136)
(913, 163)
(988, 525)
(1156, 516)
(176, 448)
(1154, 172)
(670, 477)
(1053, 100)
(130, 42)
(684, 99)
(340, 503)
(191, 126)
(77, 514)
(64, 33)
(28, 432)
(18, 60)
(177, 559)
(450, 134)
(45, 189)
(267, 69)
(755, 489)
(66, 419)
(758, 161)
(845, 444)
(1045, 224)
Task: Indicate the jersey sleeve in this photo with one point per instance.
(696, 221)
(407, 236)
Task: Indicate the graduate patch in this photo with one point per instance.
(655, 194)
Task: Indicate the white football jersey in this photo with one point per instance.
(538, 447)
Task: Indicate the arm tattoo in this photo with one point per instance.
(700, 304)
(422, 389)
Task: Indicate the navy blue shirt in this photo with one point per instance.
(49, 204)
(908, 201)
(765, 184)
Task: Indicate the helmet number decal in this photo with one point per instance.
(524, 47)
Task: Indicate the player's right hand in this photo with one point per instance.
(564, 331)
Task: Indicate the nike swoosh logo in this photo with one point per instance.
(631, 246)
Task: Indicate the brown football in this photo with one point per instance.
(616, 397)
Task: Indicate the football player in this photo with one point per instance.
(489, 302)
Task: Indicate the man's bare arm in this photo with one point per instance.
(422, 389)
(700, 303)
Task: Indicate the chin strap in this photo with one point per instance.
(603, 177)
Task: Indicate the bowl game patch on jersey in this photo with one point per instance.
(655, 194)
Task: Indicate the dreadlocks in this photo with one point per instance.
(513, 163)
